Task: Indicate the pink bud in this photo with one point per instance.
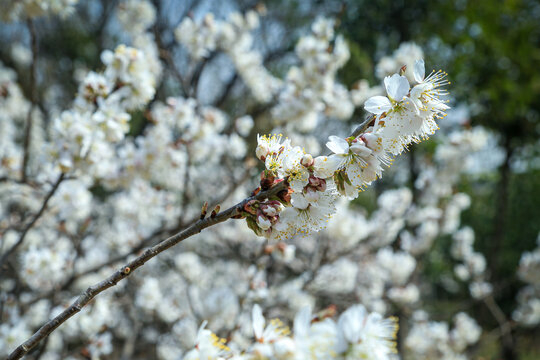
(322, 185)
(314, 181)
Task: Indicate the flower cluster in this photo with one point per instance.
(357, 334)
(433, 340)
(15, 10)
(474, 263)
(406, 116)
(310, 90)
(14, 111)
(233, 37)
(85, 134)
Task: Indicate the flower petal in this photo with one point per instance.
(397, 86)
(299, 201)
(325, 166)
(337, 145)
(258, 321)
(419, 70)
(377, 104)
(302, 322)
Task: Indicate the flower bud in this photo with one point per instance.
(314, 181)
(275, 204)
(402, 70)
(269, 210)
(307, 160)
(321, 186)
(262, 151)
(251, 206)
(263, 222)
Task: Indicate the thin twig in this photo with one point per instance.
(226, 90)
(150, 253)
(33, 99)
(33, 221)
(498, 314)
(166, 55)
(197, 72)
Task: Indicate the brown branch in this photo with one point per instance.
(363, 126)
(128, 269)
(33, 221)
(33, 99)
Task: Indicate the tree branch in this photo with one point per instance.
(128, 269)
(33, 221)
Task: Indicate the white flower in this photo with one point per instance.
(269, 150)
(270, 333)
(208, 347)
(397, 87)
(297, 175)
(306, 217)
(366, 336)
(406, 116)
(359, 163)
(314, 341)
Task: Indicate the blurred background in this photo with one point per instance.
(490, 49)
